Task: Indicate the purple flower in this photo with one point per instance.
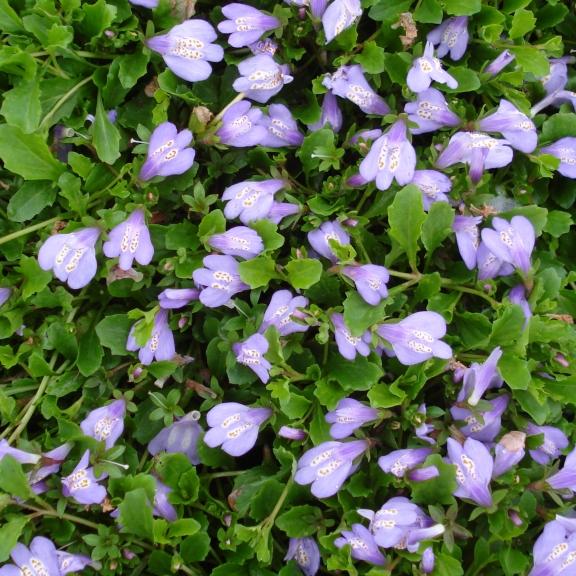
(180, 437)
(428, 560)
(417, 338)
(478, 150)
(481, 377)
(489, 265)
(430, 112)
(19, 455)
(220, 279)
(565, 150)
(349, 345)
(161, 505)
(391, 157)
(235, 427)
(72, 563)
(4, 295)
(106, 423)
(362, 545)
(261, 77)
(370, 281)
(174, 298)
(292, 433)
(187, 50)
(82, 485)
(328, 465)
(49, 464)
(428, 68)
(240, 126)
(130, 241)
(423, 430)
(499, 63)
(399, 462)
(321, 238)
(401, 524)
(281, 128)
(71, 256)
(555, 441)
(266, 46)
(557, 77)
(280, 210)
(517, 295)
(239, 241)
(511, 242)
(305, 552)
(341, 14)
(473, 470)
(508, 452)
(245, 24)
(251, 353)
(423, 474)
(483, 426)
(566, 476)
(167, 152)
(349, 82)
(467, 238)
(555, 549)
(434, 186)
(282, 310)
(516, 127)
(39, 560)
(348, 416)
(451, 36)
(160, 345)
(145, 3)
(250, 200)
(330, 114)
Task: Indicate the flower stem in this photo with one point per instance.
(29, 229)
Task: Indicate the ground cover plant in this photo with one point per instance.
(287, 287)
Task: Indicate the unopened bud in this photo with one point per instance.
(292, 433)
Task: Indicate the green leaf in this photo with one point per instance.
(428, 12)
(97, 18)
(113, 333)
(467, 79)
(523, 22)
(28, 155)
(12, 479)
(530, 59)
(563, 389)
(513, 561)
(300, 521)
(196, 548)
(35, 279)
(136, 514)
(558, 223)
(258, 271)
(359, 315)
(406, 217)
(383, 396)
(437, 226)
(132, 67)
(9, 20)
(352, 375)
(21, 106)
(448, 565)
(515, 371)
(11, 531)
(437, 490)
(397, 66)
(372, 58)
(183, 527)
(318, 151)
(268, 231)
(213, 223)
(105, 135)
(30, 199)
(462, 7)
(90, 353)
(304, 272)
(387, 10)
(508, 328)
(559, 126)
(181, 235)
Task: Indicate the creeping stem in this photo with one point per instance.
(30, 229)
